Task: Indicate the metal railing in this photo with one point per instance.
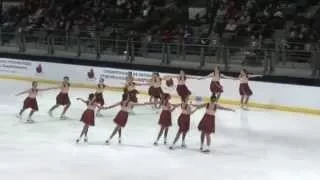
(177, 52)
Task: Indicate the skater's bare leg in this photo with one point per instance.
(65, 109)
(115, 130)
(165, 135)
(159, 135)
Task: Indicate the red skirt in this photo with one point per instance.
(30, 103)
(88, 117)
(184, 123)
(99, 99)
(62, 99)
(216, 87)
(121, 118)
(183, 91)
(245, 90)
(155, 92)
(207, 124)
(165, 118)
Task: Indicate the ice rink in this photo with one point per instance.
(255, 144)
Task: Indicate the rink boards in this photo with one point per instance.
(284, 97)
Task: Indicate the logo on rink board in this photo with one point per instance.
(14, 66)
(39, 69)
(91, 75)
(122, 74)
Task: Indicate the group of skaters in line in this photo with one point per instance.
(158, 100)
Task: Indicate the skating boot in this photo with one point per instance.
(206, 149)
(107, 142)
(172, 147)
(50, 113)
(29, 120)
(155, 143)
(201, 148)
(63, 117)
(19, 116)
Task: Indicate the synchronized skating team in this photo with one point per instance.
(158, 100)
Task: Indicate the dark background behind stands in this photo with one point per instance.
(244, 32)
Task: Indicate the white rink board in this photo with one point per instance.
(264, 93)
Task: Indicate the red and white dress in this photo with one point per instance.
(88, 116)
(122, 116)
(31, 100)
(99, 94)
(207, 123)
(63, 97)
(155, 88)
(165, 115)
(184, 118)
(244, 88)
(131, 90)
(215, 86)
(182, 89)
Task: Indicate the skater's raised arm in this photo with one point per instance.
(196, 109)
(193, 105)
(142, 84)
(47, 89)
(200, 106)
(228, 77)
(142, 104)
(82, 100)
(253, 76)
(92, 100)
(23, 92)
(206, 77)
(174, 106)
(224, 108)
(112, 106)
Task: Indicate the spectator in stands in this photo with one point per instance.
(244, 19)
(145, 41)
(204, 42)
(167, 39)
(315, 60)
(220, 20)
(231, 26)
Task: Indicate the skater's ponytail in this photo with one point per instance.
(165, 98)
(125, 96)
(91, 96)
(213, 98)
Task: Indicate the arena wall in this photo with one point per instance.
(285, 97)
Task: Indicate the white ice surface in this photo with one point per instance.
(255, 145)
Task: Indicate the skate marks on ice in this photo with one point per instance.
(114, 145)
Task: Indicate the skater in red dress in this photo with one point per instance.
(182, 88)
(207, 123)
(62, 98)
(155, 90)
(244, 89)
(183, 122)
(31, 100)
(165, 117)
(88, 116)
(215, 87)
(130, 88)
(151, 87)
(122, 117)
(99, 95)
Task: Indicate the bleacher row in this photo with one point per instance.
(247, 28)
